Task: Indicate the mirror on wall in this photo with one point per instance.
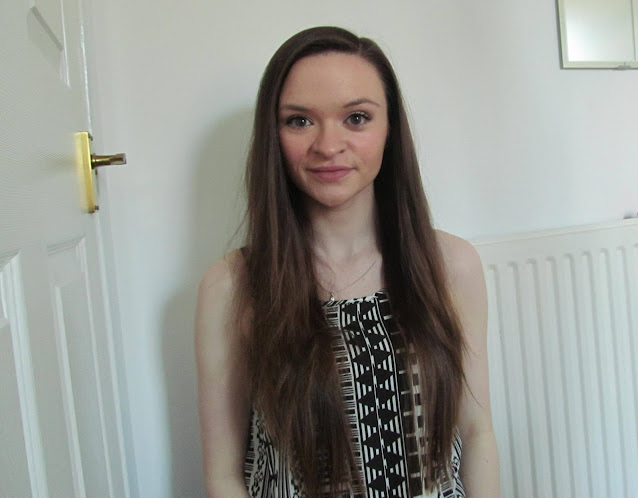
(599, 33)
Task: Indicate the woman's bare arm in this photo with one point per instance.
(479, 463)
(223, 396)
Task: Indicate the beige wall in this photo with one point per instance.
(509, 142)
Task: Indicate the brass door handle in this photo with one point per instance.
(86, 162)
(97, 161)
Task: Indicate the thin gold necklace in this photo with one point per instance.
(332, 293)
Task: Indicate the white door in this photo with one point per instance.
(60, 428)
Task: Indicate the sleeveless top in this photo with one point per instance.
(369, 352)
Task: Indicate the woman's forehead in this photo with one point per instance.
(332, 77)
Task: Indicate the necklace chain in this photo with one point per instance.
(332, 293)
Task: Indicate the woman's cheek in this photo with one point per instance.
(292, 150)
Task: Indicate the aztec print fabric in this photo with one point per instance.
(369, 352)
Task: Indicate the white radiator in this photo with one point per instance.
(563, 351)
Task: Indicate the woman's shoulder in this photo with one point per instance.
(218, 323)
(464, 272)
(222, 275)
(218, 290)
(460, 257)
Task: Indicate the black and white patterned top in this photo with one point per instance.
(369, 352)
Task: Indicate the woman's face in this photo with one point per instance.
(333, 127)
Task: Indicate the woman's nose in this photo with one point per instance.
(329, 141)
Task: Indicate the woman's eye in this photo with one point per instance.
(358, 118)
(297, 121)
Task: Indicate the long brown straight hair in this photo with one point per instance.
(294, 380)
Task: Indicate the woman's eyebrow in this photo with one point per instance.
(362, 100)
(293, 107)
(352, 103)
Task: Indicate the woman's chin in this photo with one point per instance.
(338, 200)
(332, 203)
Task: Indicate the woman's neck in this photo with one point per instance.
(344, 233)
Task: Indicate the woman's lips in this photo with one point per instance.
(330, 173)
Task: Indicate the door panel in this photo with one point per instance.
(75, 333)
(16, 435)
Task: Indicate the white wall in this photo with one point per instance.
(509, 142)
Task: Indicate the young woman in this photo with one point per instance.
(306, 388)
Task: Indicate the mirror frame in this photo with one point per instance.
(567, 63)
